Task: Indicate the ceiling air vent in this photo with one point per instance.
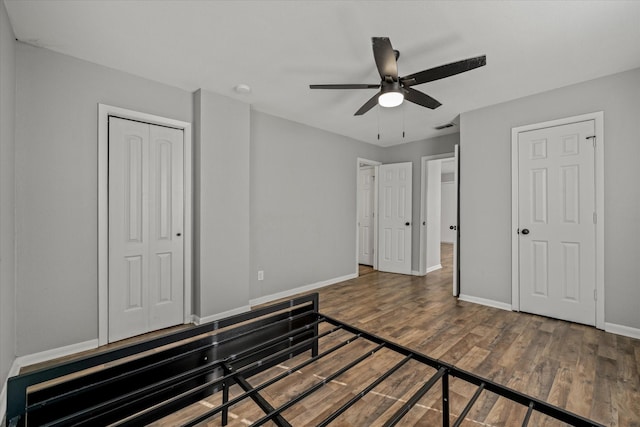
(444, 126)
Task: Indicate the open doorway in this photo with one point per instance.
(439, 213)
(366, 207)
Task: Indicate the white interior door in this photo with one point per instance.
(394, 217)
(556, 208)
(146, 288)
(456, 169)
(433, 209)
(448, 214)
(365, 215)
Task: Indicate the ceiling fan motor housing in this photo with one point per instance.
(390, 86)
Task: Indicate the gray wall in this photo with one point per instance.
(56, 187)
(414, 152)
(303, 204)
(221, 226)
(290, 191)
(56, 196)
(485, 193)
(7, 201)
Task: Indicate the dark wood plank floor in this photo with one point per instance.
(580, 368)
(587, 371)
(577, 367)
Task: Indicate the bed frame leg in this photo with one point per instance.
(445, 400)
(316, 309)
(225, 399)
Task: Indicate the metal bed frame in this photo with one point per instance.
(144, 382)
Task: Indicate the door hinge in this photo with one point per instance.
(595, 218)
(595, 295)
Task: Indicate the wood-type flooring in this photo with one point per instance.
(580, 368)
(577, 367)
(584, 370)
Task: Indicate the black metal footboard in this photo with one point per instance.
(146, 381)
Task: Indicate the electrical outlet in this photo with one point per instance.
(260, 274)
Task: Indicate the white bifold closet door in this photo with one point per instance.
(146, 288)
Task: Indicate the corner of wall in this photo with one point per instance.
(196, 304)
(221, 196)
(7, 205)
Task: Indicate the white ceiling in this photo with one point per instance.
(280, 47)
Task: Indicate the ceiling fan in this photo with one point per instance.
(394, 89)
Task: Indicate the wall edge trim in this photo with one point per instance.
(434, 268)
(305, 288)
(483, 301)
(626, 331)
(54, 353)
(201, 320)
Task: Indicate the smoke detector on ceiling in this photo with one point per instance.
(242, 89)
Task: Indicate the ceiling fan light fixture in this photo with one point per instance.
(390, 95)
(390, 99)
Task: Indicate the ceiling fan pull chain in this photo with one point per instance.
(403, 113)
(378, 122)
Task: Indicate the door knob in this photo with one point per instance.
(178, 234)
(525, 231)
(407, 224)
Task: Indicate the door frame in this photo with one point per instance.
(375, 165)
(598, 118)
(104, 111)
(423, 211)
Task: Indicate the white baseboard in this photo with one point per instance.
(627, 331)
(434, 268)
(429, 270)
(305, 288)
(487, 302)
(200, 320)
(54, 353)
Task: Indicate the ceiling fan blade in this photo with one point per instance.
(443, 71)
(345, 86)
(420, 98)
(368, 105)
(385, 57)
